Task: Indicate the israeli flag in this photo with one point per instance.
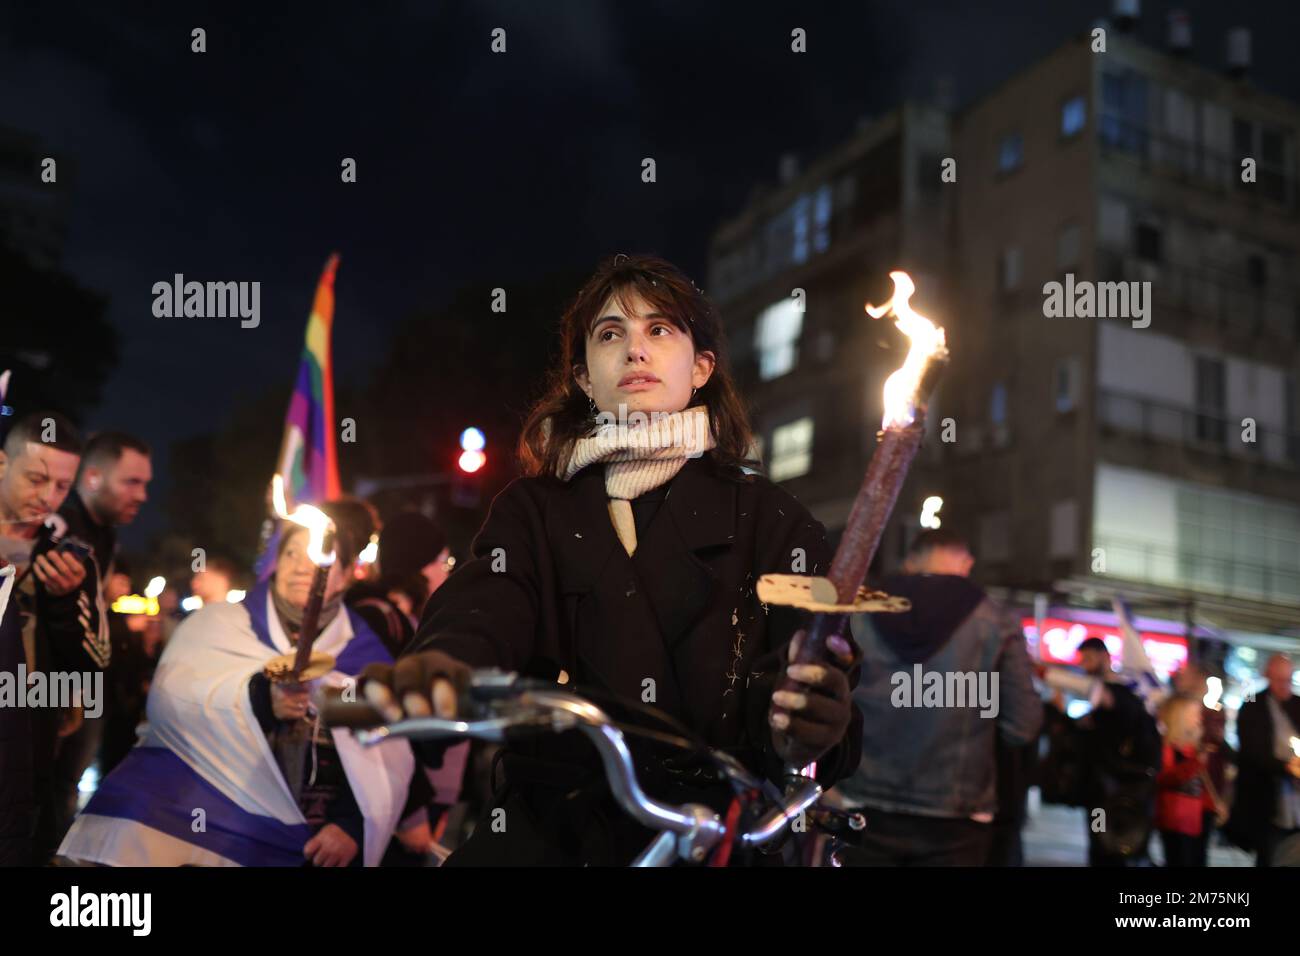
(1135, 668)
(202, 787)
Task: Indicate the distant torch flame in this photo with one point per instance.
(1213, 691)
(927, 339)
(316, 522)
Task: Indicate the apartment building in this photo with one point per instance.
(1154, 453)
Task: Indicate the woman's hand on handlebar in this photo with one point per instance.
(426, 684)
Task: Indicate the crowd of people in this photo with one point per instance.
(622, 563)
(62, 501)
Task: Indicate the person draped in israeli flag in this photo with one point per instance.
(233, 770)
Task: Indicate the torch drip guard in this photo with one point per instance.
(802, 591)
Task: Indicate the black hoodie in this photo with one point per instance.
(940, 603)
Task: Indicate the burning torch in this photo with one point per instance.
(304, 664)
(841, 593)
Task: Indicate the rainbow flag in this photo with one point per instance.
(308, 460)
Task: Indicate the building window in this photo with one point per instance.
(776, 338)
(1011, 152)
(1124, 112)
(791, 450)
(995, 536)
(1196, 538)
(800, 210)
(1179, 146)
(1064, 537)
(1268, 146)
(1074, 115)
(1211, 426)
(999, 430)
(998, 404)
(1009, 269)
(1148, 242)
(1069, 244)
(1272, 162)
(1113, 223)
(1065, 384)
(822, 219)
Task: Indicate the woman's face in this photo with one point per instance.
(294, 571)
(639, 358)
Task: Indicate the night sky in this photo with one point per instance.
(471, 166)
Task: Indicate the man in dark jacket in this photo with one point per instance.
(112, 485)
(1121, 749)
(1266, 810)
(38, 465)
(940, 683)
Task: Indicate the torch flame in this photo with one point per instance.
(927, 339)
(316, 522)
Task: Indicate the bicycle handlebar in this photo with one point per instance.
(499, 703)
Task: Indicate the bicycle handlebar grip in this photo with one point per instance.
(354, 714)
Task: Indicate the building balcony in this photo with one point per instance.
(1195, 429)
(1217, 296)
(1198, 570)
(1194, 164)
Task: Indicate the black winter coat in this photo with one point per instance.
(682, 612)
(1259, 771)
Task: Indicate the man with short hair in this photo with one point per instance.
(1267, 807)
(927, 781)
(111, 487)
(1121, 751)
(38, 465)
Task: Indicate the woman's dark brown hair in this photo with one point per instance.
(563, 414)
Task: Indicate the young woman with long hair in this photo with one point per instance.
(625, 562)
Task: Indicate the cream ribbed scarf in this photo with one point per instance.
(639, 456)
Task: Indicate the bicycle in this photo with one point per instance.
(499, 705)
